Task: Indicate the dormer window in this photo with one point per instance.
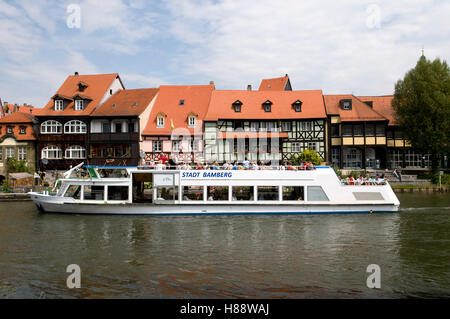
(79, 105)
(160, 122)
(59, 105)
(346, 104)
(22, 130)
(237, 106)
(181, 103)
(191, 121)
(267, 106)
(297, 105)
(9, 129)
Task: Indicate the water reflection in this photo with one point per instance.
(227, 256)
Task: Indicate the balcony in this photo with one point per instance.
(113, 137)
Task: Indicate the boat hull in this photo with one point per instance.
(207, 209)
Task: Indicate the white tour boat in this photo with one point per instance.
(158, 192)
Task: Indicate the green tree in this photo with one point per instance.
(306, 156)
(422, 107)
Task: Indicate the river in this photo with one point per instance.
(225, 256)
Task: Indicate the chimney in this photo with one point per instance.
(211, 82)
(5, 103)
(16, 108)
(249, 87)
(76, 73)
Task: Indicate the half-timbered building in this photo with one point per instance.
(175, 127)
(264, 125)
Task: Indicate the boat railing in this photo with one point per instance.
(230, 168)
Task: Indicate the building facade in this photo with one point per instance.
(265, 125)
(116, 128)
(17, 140)
(63, 124)
(175, 128)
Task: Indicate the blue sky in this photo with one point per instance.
(353, 46)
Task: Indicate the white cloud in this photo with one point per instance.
(142, 80)
(320, 44)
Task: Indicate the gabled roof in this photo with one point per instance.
(382, 105)
(360, 111)
(17, 117)
(98, 85)
(126, 103)
(276, 84)
(196, 99)
(252, 105)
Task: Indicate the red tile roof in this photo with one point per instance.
(360, 111)
(98, 84)
(18, 119)
(126, 103)
(10, 108)
(195, 100)
(275, 84)
(222, 101)
(381, 104)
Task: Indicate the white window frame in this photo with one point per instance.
(51, 127)
(284, 124)
(191, 121)
(295, 147)
(9, 152)
(59, 105)
(306, 126)
(157, 149)
(176, 146)
(75, 152)
(22, 153)
(312, 146)
(9, 130)
(79, 105)
(51, 148)
(160, 122)
(194, 145)
(75, 127)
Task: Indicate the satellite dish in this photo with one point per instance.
(44, 161)
(142, 154)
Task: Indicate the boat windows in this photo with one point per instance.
(268, 193)
(316, 193)
(112, 173)
(117, 192)
(217, 192)
(73, 191)
(242, 192)
(192, 193)
(293, 193)
(166, 193)
(92, 192)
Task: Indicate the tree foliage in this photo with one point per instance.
(306, 156)
(422, 107)
(16, 166)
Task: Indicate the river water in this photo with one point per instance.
(225, 256)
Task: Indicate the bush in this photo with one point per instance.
(306, 156)
(4, 188)
(445, 179)
(16, 166)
